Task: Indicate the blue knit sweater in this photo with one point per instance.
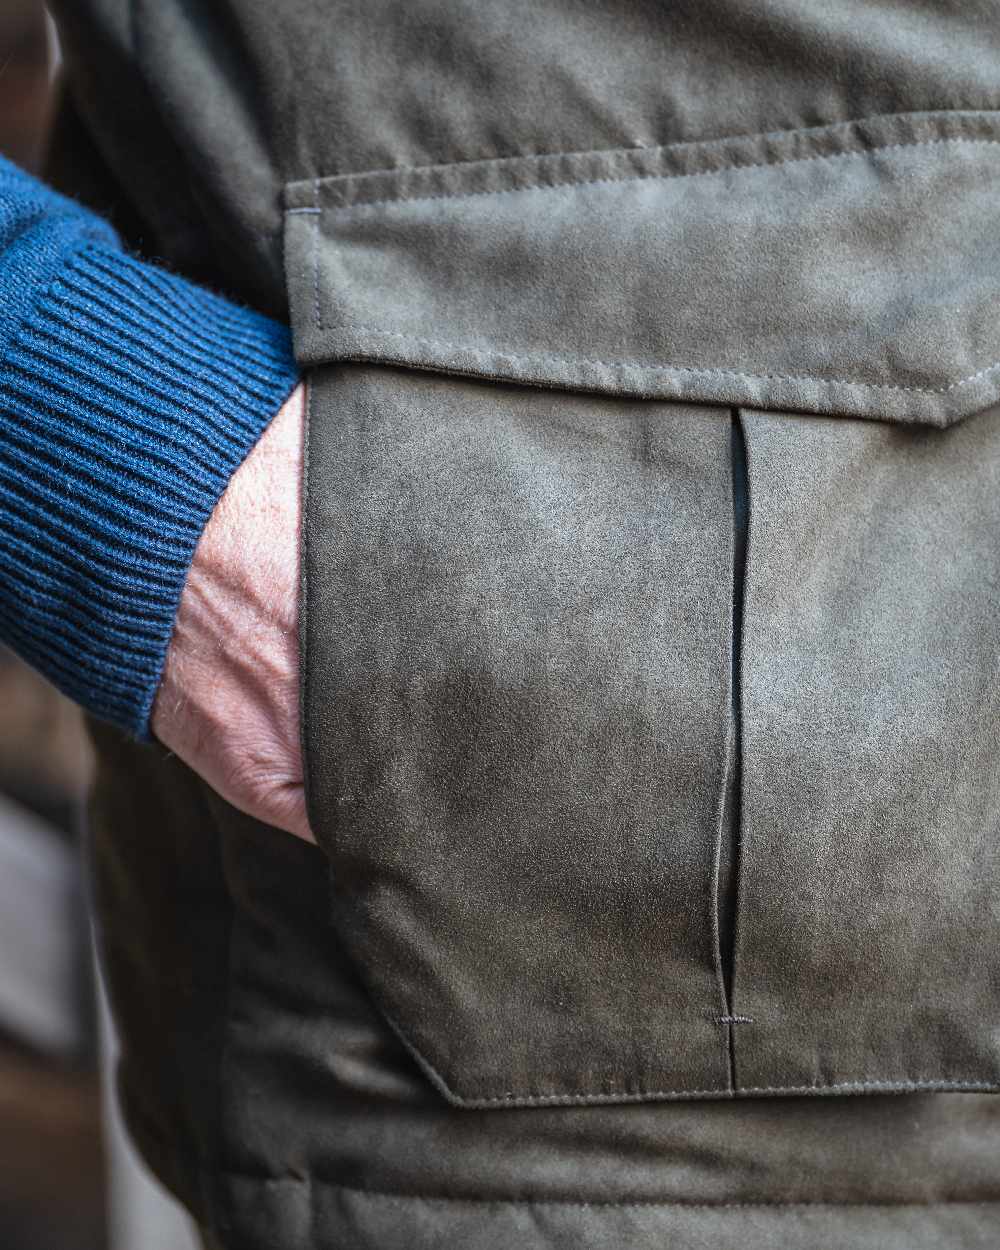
(128, 397)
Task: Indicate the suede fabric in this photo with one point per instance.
(516, 684)
(315, 1130)
(651, 859)
(599, 262)
(520, 607)
(871, 797)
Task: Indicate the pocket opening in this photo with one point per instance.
(727, 892)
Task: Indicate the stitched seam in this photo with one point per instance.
(901, 1085)
(641, 1095)
(629, 1096)
(610, 1203)
(493, 353)
(514, 158)
(735, 167)
(530, 1099)
(317, 230)
(549, 1099)
(667, 369)
(636, 1095)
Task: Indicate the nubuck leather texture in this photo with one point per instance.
(649, 686)
(619, 808)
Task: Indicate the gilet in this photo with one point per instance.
(650, 623)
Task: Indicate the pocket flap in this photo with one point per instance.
(850, 269)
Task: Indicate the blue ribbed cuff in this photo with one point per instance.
(128, 399)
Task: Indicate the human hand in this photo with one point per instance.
(228, 703)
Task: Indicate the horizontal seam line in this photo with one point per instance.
(638, 1095)
(491, 353)
(513, 158)
(734, 167)
(479, 1199)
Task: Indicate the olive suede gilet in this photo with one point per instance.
(650, 626)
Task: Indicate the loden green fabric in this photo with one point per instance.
(315, 1130)
(869, 905)
(601, 260)
(650, 624)
(516, 681)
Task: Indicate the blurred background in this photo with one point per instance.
(68, 1178)
(52, 1162)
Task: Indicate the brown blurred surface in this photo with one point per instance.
(44, 754)
(51, 1170)
(51, 1158)
(24, 80)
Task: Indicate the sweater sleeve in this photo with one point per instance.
(128, 398)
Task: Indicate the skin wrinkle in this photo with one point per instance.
(233, 656)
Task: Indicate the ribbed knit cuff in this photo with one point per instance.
(128, 399)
